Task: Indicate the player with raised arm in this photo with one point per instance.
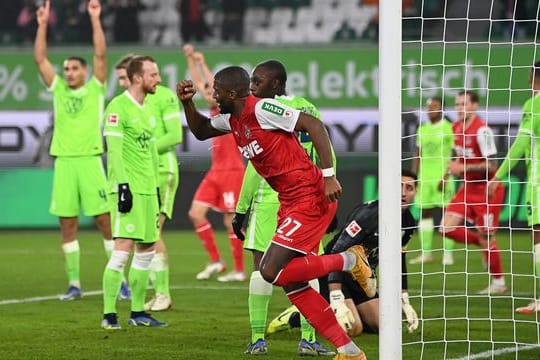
(355, 311)
(168, 134)
(77, 145)
(268, 80)
(133, 185)
(473, 145)
(264, 130)
(221, 185)
(527, 146)
(434, 142)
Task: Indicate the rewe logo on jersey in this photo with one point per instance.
(250, 150)
(273, 108)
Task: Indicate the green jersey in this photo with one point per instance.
(435, 142)
(168, 132)
(131, 150)
(254, 187)
(527, 143)
(77, 118)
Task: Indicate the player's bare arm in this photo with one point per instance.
(416, 161)
(316, 130)
(98, 39)
(45, 68)
(199, 124)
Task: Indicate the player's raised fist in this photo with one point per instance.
(185, 90)
(42, 13)
(198, 57)
(94, 8)
(188, 49)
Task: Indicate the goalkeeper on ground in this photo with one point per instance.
(354, 310)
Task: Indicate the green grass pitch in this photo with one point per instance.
(210, 320)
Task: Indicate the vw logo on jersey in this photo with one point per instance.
(247, 132)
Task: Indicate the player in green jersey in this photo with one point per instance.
(77, 143)
(268, 80)
(527, 146)
(133, 188)
(434, 142)
(168, 133)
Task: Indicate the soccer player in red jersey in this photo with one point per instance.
(265, 131)
(220, 188)
(473, 144)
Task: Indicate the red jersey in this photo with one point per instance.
(473, 145)
(265, 133)
(225, 153)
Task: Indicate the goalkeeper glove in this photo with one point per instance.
(410, 314)
(237, 223)
(125, 198)
(158, 199)
(343, 314)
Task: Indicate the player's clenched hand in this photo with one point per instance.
(332, 188)
(185, 90)
(237, 223)
(343, 314)
(125, 198)
(409, 312)
(42, 13)
(188, 49)
(94, 8)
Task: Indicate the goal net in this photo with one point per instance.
(487, 47)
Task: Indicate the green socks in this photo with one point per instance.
(72, 255)
(260, 292)
(112, 279)
(138, 279)
(426, 234)
(160, 268)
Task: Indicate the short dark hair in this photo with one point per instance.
(135, 65)
(81, 60)
(123, 62)
(472, 95)
(536, 70)
(234, 78)
(277, 68)
(409, 173)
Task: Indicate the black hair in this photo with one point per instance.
(234, 78)
(536, 70)
(409, 173)
(277, 68)
(472, 95)
(81, 60)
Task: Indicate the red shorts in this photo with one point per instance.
(471, 203)
(302, 224)
(220, 190)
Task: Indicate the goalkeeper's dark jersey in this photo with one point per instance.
(361, 228)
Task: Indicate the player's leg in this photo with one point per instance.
(447, 190)
(160, 264)
(113, 275)
(65, 205)
(146, 212)
(453, 221)
(427, 193)
(486, 212)
(93, 184)
(205, 197)
(229, 192)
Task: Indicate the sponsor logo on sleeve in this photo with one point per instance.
(274, 109)
(353, 228)
(112, 120)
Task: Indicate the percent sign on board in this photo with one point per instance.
(11, 84)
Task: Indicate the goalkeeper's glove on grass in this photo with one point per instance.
(343, 314)
(410, 314)
(125, 198)
(237, 223)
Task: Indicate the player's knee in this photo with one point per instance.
(195, 216)
(268, 274)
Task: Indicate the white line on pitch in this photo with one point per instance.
(491, 353)
(99, 292)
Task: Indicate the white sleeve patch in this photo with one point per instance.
(273, 115)
(353, 228)
(486, 141)
(221, 122)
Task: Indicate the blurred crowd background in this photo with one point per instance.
(173, 22)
